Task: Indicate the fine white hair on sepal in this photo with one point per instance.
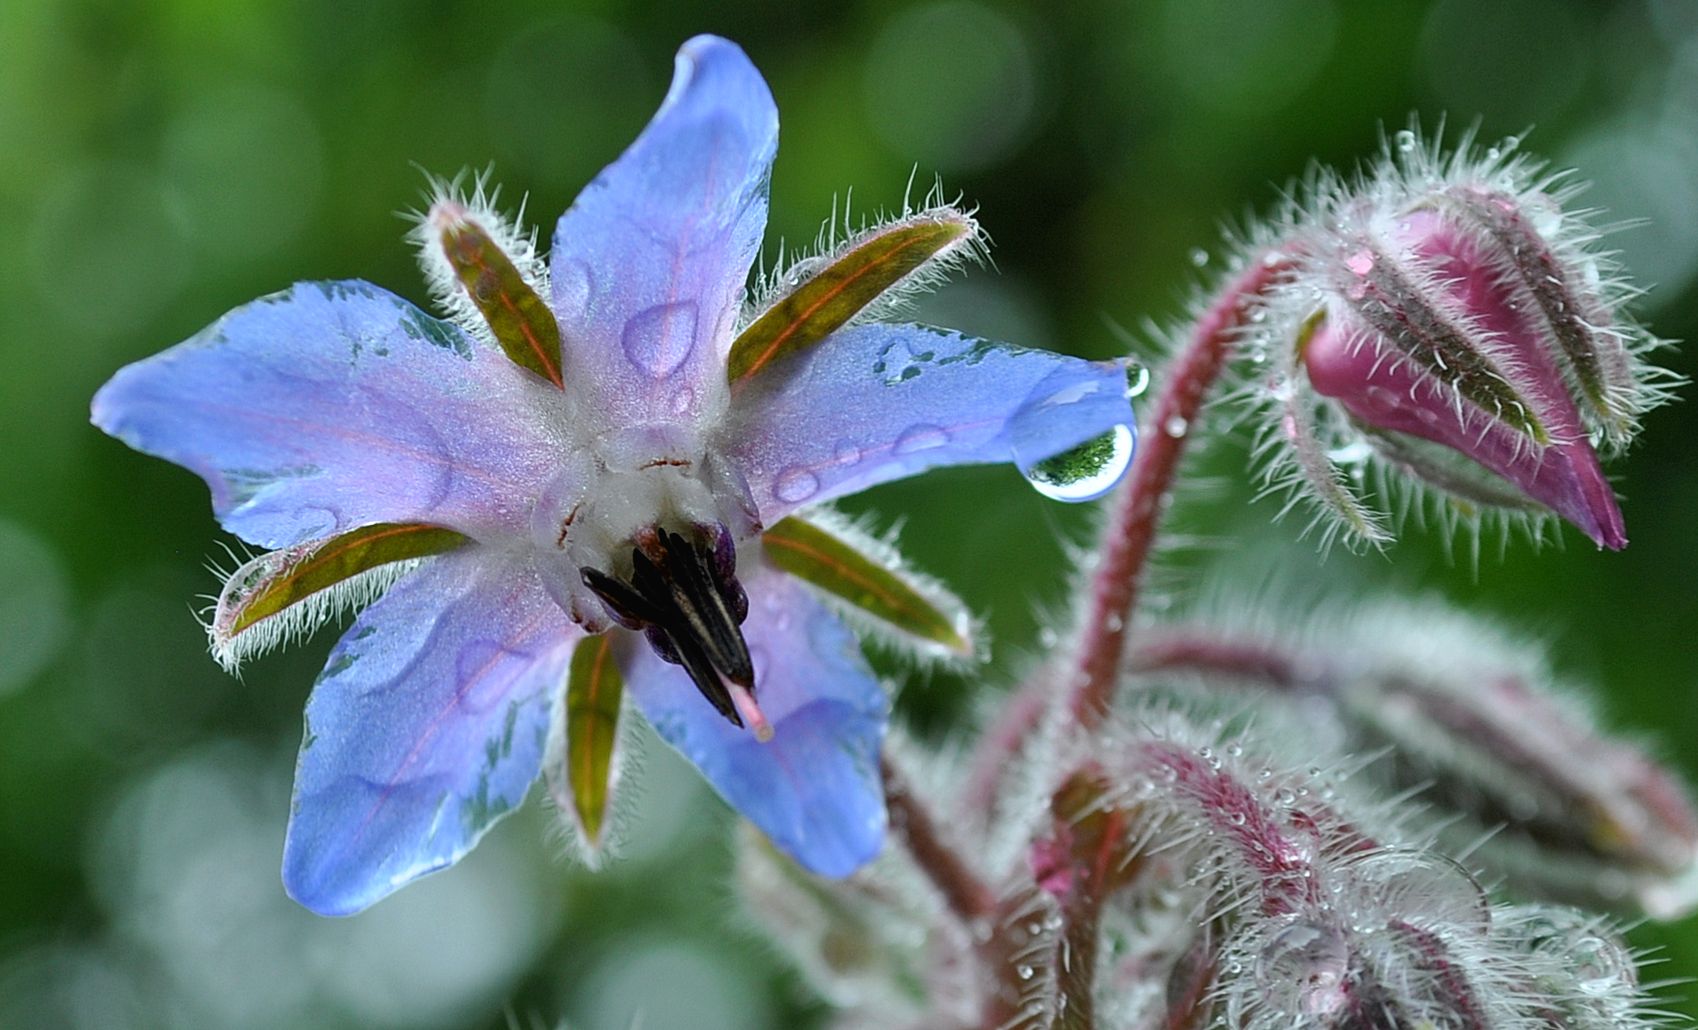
(231, 647)
(1315, 455)
(448, 202)
(841, 234)
(625, 788)
(861, 534)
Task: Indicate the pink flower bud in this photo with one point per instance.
(1448, 322)
(1427, 342)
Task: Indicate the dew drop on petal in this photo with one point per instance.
(659, 339)
(1137, 379)
(1361, 262)
(847, 452)
(1085, 472)
(795, 485)
(922, 437)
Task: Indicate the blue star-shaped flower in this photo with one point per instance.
(593, 447)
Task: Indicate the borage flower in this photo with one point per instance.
(588, 483)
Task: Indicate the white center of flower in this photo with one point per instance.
(621, 486)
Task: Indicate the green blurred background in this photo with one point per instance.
(161, 162)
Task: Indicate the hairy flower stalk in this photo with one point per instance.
(1131, 531)
(1478, 724)
(1316, 909)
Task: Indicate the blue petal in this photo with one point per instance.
(427, 725)
(331, 406)
(649, 265)
(814, 788)
(878, 402)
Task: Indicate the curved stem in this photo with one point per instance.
(1000, 746)
(1127, 540)
(963, 891)
(1187, 649)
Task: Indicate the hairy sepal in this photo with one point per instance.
(485, 273)
(285, 595)
(595, 691)
(868, 579)
(816, 297)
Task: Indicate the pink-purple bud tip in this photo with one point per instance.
(1431, 341)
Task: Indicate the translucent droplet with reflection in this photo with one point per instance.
(1424, 888)
(1137, 378)
(1583, 945)
(1085, 472)
(1303, 970)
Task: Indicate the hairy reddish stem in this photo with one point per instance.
(1252, 660)
(963, 891)
(1002, 743)
(1138, 505)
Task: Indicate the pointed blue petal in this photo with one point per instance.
(427, 725)
(331, 406)
(814, 788)
(648, 266)
(879, 402)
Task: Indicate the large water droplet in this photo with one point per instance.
(1084, 472)
(1600, 965)
(922, 437)
(1302, 969)
(1583, 944)
(1137, 378)
(1424, 888)
(795, 485)
(659, 339)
